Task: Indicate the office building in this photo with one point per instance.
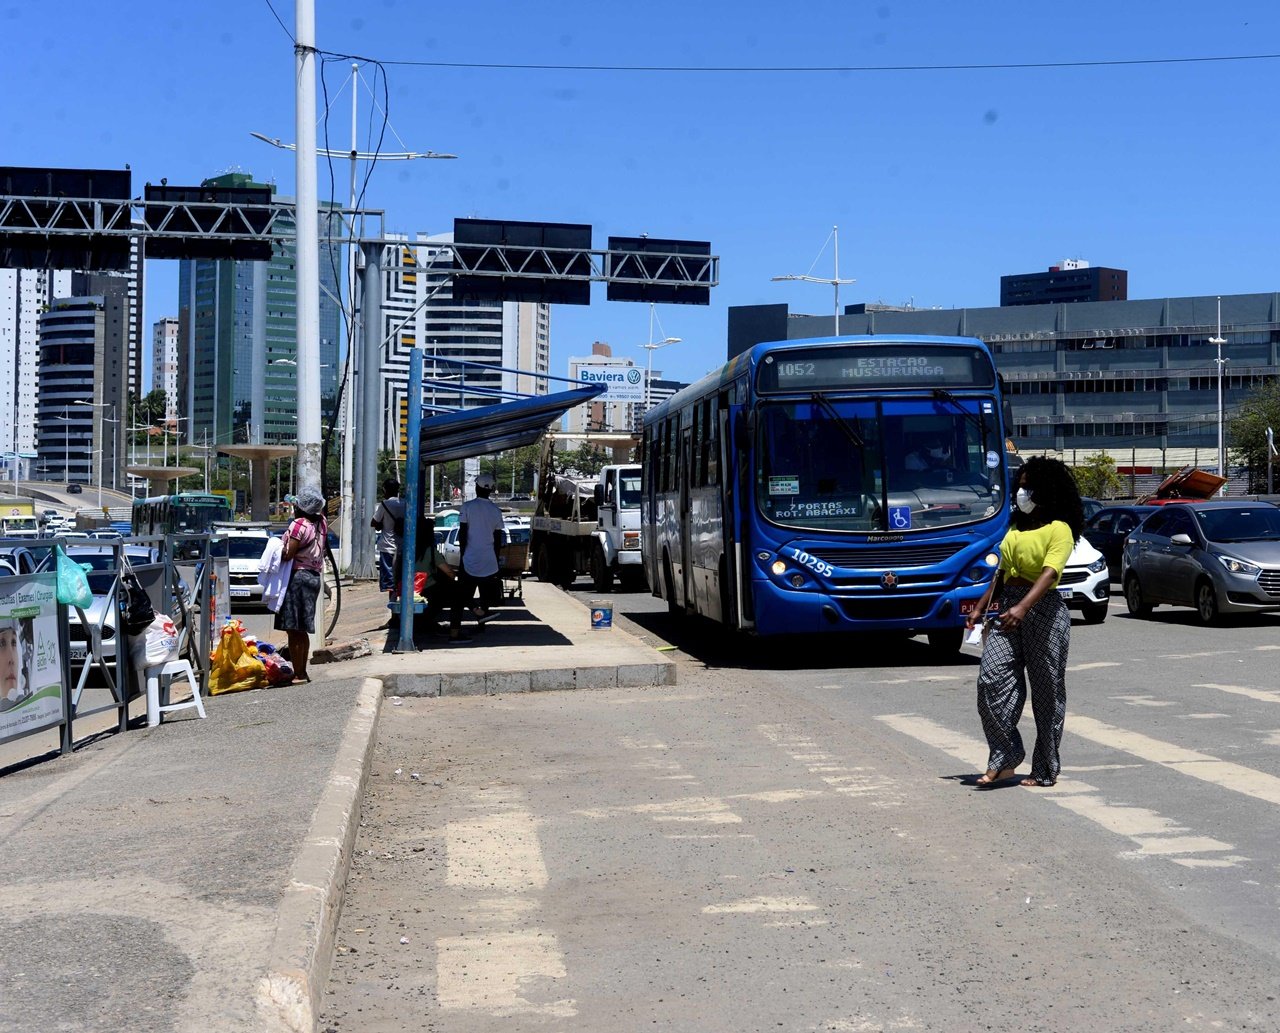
(418, 310)
(83, 382)
(1071, 280)
(164, 362)
(237, 339)
(1136, 378)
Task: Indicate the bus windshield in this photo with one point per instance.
(893, 465)
(197, 517)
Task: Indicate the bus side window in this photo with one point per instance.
(710, 453)
(695, 460)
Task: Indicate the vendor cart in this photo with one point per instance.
(513, 561)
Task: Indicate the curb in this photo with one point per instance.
(493, 683)
(306, 925)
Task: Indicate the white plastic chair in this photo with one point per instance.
(165, 672)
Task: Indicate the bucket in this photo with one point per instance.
(601, 614)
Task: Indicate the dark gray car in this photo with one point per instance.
(1218, 557)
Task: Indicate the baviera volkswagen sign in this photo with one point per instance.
(622, 383)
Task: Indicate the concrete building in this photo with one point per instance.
(83, 375)
(237, 340)
(24, 295)
(164, 362)
(1072, 279)
(1136, 378)
(418, 310)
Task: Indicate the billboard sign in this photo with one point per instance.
(623, 383)
(30, 660)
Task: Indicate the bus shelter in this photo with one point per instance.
(461, 434)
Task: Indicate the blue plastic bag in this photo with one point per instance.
(73, 583)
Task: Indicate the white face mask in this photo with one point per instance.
(1023, 500)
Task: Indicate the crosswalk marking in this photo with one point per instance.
(1095, 665)
(1236, 777)
(1243, 690)
(1153, 833)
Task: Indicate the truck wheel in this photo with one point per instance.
(601, 573)
(542, 564)
(566, 572)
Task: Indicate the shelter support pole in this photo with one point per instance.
(412, 502)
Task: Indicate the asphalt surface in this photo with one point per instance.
(790, 839)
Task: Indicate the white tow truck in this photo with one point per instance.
(588, 527)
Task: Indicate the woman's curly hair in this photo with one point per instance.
(1055, 494)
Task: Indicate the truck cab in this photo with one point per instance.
(617, 552)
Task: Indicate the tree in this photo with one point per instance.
(1247, 432)
(1096, 477)
(586, 460)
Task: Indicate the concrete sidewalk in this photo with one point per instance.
(189, 877)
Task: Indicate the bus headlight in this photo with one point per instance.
(979, 573)
(991, 559)
(779, 568)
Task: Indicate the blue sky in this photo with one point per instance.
(939, 180)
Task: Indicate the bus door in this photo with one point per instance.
(684, 470)
(729, 605)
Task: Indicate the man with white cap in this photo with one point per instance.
(480, 541)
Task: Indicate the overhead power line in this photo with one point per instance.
(806, 69)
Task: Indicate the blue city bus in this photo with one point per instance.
(188, 512)
(842, 484)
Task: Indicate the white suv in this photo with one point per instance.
(1085, 584)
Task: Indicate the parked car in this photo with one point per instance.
(1108, 528)
(101, 561)
(449, 549)
(245, 546)
(1085, 584)
(75, 489)
(1216, 556)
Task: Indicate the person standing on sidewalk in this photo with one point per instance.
(304, 543)
(1032, 633)
(480, 542)
(388, 521)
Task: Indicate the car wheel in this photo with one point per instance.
(1094, 613)
(1206, 603)
(1134, 598)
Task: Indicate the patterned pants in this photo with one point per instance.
(1035, 651)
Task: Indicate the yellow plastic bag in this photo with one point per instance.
(234, 666)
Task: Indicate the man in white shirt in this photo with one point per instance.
(480, 542)
(388, 521)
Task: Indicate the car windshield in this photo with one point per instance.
(246, 547)
(1252, 524)
(836, 464)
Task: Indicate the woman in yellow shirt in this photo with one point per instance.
(1031, 636)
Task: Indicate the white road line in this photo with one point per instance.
(761, 905)
(1193, 656)
(498, 853)
(1153, 833)
(1144, 701)
(1095, 665)
(487, 973)
(1236, 777)
(1264, 695)
(1260, 648)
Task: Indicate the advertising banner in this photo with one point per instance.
(623, 383)
(30, 662)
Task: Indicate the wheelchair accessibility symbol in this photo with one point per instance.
(899, 518)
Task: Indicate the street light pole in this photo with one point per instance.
(833, 281)
(1222, 459)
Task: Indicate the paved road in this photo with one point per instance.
(787, 840)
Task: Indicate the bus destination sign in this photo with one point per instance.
(862, 367)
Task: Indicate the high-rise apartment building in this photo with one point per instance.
(164, 362)
(418, 310)
(237, 332)
(24, 295)
(84, 363)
